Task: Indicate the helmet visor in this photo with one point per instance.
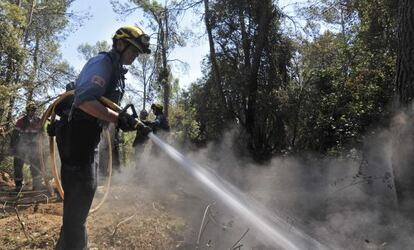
(141, 43)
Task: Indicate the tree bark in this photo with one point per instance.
(213, 57)
(263, 29)
(402, 158)
(405, 52)
(166, 73)
(144, 78)
(33, 74)
(29, 22)
(245, 41)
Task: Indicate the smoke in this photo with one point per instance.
(347, 202)
(26, 151)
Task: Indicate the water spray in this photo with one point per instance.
(276, 230)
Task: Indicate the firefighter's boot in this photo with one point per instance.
(19, 185)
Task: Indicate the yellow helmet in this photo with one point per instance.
(135, 36)
(157, 106)
(31, 106)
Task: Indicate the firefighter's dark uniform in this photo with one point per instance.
(140, 140)
(159, 125)
(77, 135)
(23, 145)
(161, 122)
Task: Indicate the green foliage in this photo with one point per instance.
(348, 86)
(126, 150)
(31, 67)
(88, 51)
(12, 20)
(183, 119)
(320, 93)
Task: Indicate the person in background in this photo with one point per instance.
(139, 144)
(23, 146)
(160, 122)
(159, 126)
(140, 138)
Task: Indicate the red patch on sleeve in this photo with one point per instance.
(98, 80)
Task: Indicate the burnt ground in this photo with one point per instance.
(157, 210)
(127, 220)
(135, 216)
(163, 209)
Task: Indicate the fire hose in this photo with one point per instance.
(50, 116)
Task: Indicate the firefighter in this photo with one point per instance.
(159, 125)
(24, 139)
(160, 121)
(140, 138)
(143, 115)
(78, 131)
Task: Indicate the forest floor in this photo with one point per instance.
(129, 219)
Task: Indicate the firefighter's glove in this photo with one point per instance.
(145, 130)
(152, 125)
(126, 122)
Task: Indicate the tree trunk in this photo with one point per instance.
(213, 57)
(144, 98)
(405, 52)
(245, 41)
(33, 74)
(263, 29)
(165, 69)
(29, 22)
(402, 157)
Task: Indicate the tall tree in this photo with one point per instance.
(403, 159)
(348, 70)
(213, 58)
(267, 13)
(405, 52)
(30, 61)
(12, 56)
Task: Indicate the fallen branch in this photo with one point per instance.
(22, 225)
(42, 195)
(120, 223)
(20, 191)
(153, 206)
(237, 242)
(238, 247)
(203, 225)
(4, 207)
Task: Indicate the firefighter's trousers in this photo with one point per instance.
(18, 163)
(76, 141)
